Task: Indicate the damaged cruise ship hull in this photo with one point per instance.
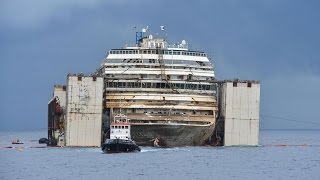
(166, 91)
(171, 135)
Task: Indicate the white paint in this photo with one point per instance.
(84, 111)
(120, 128)
(155, 56)
(241, 107)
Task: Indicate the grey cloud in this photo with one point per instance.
(34, 13)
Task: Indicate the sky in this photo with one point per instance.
(276, 42)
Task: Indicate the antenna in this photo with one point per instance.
(138, 36)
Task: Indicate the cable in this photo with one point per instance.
(287, 119)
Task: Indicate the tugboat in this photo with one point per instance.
(120, 138)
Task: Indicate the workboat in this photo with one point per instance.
(120, 138)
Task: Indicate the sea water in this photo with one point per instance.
(282, 154)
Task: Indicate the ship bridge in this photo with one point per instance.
(149, 42)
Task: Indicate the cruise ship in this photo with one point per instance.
(164, 89)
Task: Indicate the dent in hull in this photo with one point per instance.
(171, 135)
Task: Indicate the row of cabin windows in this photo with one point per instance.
(167, 52)
(171, 111)
(153, 61)
(159, 85)
(119, 127)
(158, 77)
(145, 66)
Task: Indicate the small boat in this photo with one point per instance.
(120, 138)
(17, 141)
(43, 141)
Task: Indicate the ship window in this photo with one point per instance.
(126, 127)
(144, 75)
(144, 85)
(249, 84)
(136, 84)
(79, 78)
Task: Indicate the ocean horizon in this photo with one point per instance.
(281, 154)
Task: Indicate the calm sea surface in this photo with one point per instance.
(283, 154)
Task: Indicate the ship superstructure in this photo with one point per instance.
(165, 90)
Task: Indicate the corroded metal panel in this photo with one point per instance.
(60, 92)
(84, 111)
(240, 109)
(171, 135)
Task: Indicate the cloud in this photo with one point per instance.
(16, 14)
(292, 96)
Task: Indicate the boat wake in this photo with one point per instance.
(154, 149)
